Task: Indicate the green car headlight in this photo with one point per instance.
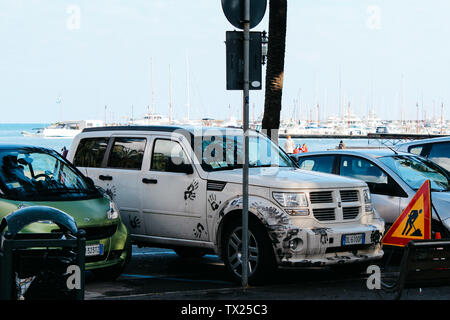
(113, 212)
(291, 200)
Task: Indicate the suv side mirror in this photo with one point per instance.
(186, 168)
(179, 168)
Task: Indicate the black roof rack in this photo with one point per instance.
(136, 128)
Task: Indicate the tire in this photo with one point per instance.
(262, 260)
(186, 252)
(112, 273)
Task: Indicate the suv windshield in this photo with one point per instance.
(33, 174)
(414, 171)
(226, 152)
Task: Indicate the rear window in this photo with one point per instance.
(90, 152)
(127, 153)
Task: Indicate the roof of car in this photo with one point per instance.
(423, 141)
(191, 129)
(373, 153)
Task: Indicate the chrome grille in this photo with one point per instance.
(349, 195)
(321, 197)
(326, 214)
(350, 212)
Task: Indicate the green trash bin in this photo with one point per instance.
(41, 266)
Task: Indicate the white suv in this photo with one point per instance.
(181, 188)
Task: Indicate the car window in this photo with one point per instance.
(415, 170)
(440, 154)
(127, 153)
(166, 155)
(321, 164)
(416, 149)
(90, 152)
(362, 169)
(33, 174)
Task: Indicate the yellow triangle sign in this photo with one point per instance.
(415, 221)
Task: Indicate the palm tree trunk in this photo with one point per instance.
(275, 67)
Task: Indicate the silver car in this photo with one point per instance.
(393, 179)
(435, 149)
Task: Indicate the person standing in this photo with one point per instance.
(289, 145)
(341, 145)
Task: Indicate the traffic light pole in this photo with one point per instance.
(245, 118)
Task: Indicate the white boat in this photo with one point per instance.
(64, 129)
(151, 119)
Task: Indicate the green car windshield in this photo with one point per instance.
(34, 174)
(414, 171)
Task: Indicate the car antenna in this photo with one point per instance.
(392, 149)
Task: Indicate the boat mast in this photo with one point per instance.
(152, 110)
(170, 94)
(188, 104)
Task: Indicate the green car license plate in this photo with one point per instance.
(94, 250)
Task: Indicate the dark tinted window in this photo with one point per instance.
(321, 164)
(127, 153)
(90, 152)
(440, 154)
(166, 155)
(362, 169)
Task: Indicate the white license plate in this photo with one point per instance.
(350, 239)
(94, 250)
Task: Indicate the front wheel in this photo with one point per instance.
(261, 258)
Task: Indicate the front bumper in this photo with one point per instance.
(114, 250)
(322, 246)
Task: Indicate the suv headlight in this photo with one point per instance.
(113, 212)
(286, 199)
(367, 200)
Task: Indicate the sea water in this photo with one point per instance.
(12, 133)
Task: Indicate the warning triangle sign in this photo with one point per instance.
(415, 221)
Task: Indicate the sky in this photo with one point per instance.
(67, 60)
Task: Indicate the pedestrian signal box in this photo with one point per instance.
(415, 221)
(235, 60)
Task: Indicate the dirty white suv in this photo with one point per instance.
(181, 188)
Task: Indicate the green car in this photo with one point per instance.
(34, 176)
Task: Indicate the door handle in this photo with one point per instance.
(105, 178)
(149, 181)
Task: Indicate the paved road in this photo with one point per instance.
(159, 274)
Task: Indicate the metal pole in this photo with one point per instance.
(245, 118)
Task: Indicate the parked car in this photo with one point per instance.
(393, 178)
(34, 176)
(435, 149)
(180, 188)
